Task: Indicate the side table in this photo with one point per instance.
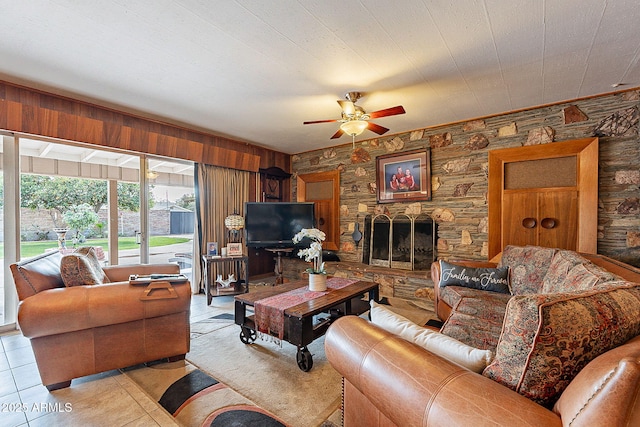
(214, 289)
(278, 269)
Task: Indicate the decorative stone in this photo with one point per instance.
(380, 210)
(630, 206)
(633, 239)
(443, 215)
(573, 114)
(295, 158)
(348, 247)
(395, 144)
(342, 190)
(465, 238)
(543, 135)
(351, 227)
(344, 210)
(442, 245)
(360, 171)
(416, 135)
(485, 249)
(440, 140)
(474, 125)
(508, 130)
(458, 165)
(620, 123)
(483, 226)
(314, 161)
(477, 142)
(362, 207)
(360, 155)
(462, 189)
(385, 284)
(435, 183)
(355, 188)
(627, 177)
(632, 95)
(427, 293)
(372, 187)
(374, 142)
(341, 167)
(413, 209)
(330, 153)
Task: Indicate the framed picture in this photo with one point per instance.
(404, 177)
(234, 249)
(212, 248)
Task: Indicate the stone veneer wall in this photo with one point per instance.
(459, 173)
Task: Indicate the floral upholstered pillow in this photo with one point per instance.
(82, 268)
(548, 338)
(528, 266)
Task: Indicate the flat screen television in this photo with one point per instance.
(273, 224)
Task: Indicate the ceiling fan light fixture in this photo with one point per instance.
(354, 127)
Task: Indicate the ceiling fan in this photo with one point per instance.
(355, 120)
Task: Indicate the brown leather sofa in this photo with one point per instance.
(389, 381)
(82, 330)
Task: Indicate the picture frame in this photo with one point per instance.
(234, 249)
(404, 177)
(212, 248)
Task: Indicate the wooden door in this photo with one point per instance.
(323, 188)
(558, 219)
(519, 218)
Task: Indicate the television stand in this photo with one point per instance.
(278, 269)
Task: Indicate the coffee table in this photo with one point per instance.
(305, 322)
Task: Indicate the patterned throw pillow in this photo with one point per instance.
(484, 279)
(563, 261)
(548, 338)
(82, 268)
(528, 265)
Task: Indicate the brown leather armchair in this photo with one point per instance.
(82, 330)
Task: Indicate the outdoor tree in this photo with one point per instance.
(187, 201)
(59, 194)
(80, 218)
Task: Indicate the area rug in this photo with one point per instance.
(266, 373)
(194, 398)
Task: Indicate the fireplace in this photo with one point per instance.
(401, 242)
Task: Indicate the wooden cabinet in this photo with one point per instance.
(544, 195)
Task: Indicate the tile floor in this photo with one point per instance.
(106, 399)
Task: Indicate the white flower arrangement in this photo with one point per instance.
(314, 252)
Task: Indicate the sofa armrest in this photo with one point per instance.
(121, 273)
(443, 310)
(412, 386)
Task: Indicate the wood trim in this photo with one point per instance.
(33, 112)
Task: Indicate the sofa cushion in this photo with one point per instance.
(446, 347)
(486, 279)
(548, 338)
(476, 320)
(37, 274)
(82, 268)
(528, 266)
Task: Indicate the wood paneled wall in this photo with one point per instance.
(35, 112)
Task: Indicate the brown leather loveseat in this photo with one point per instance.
(82, 330)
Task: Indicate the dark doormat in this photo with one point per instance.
(223, 316)
(433, 323)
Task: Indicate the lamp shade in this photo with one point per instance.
(354, 127)
(234, 222)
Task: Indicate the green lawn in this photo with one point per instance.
(29, 249)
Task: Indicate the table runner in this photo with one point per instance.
(269, 312)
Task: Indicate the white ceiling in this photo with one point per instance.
(254, 70)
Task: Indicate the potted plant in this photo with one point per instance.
(313, 254)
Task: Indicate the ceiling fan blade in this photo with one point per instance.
(348, 107)
(377, 128)
(319, 121)
(337, 134)
(387, 112)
